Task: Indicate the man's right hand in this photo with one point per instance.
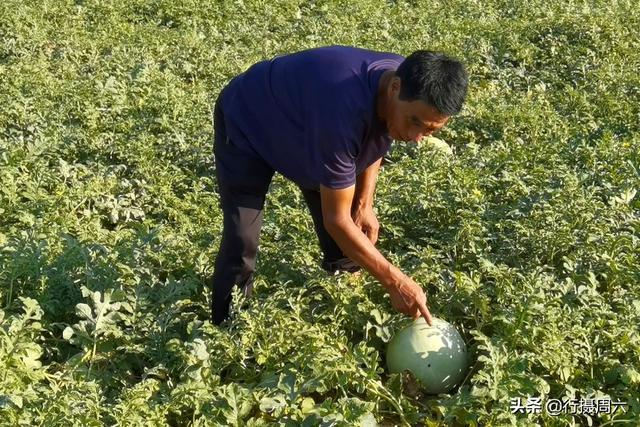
(408, 297)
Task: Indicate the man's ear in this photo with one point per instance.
(395, 85)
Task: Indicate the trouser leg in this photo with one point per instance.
(243, 181)
(236, 260)
(334, 259)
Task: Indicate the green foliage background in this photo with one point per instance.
(526, 239)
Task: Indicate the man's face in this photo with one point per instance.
(413, 120)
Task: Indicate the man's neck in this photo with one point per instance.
(381, 104)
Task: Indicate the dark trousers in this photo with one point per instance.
(243, 181)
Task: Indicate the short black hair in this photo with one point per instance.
(435, 79)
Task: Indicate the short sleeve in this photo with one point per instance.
(336, 130)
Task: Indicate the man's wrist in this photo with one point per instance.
(393, 278)
(362, 203)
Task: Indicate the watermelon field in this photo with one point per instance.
(526, 238)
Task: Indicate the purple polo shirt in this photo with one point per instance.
(311, 115)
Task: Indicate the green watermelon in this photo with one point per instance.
(436, 355)
(438, 144)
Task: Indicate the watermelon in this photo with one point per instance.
(438, 144)
(435, 355)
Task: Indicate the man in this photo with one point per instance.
(324, 118)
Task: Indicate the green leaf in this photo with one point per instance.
(200, 349)
(67, 333)
(84, 311)
(238, 404)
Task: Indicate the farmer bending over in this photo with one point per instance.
(324, 118)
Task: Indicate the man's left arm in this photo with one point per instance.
(362, 207)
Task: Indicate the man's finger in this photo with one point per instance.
(424, 311)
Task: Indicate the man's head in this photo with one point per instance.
(426, 90)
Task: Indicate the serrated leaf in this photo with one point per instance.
(17, 400)
(30, 358)
(84, 311)
(200, 349)
(85, 291)
(368, 420)
(307, 405)
(238, 404)
(270, 404)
